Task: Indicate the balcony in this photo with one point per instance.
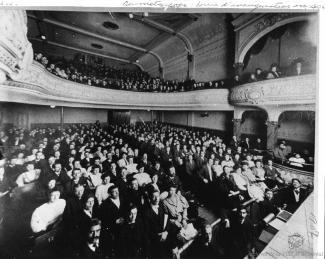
(294, 90)
(38, 86)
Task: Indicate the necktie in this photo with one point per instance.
(297, 192)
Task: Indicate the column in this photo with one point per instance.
(62, 117)
(238, 68)
(191, 66)
(237, 128)
(272, 133)
(161, 72)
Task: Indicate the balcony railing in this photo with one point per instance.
(282, 91)
(38, 86)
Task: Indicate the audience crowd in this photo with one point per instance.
(131, 191)
(123, 79)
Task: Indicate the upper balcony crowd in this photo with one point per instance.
(123, 79)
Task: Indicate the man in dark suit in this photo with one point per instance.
(190, 174)
(131, 236)
(268, 205)
(294, 196)
(111, 214)
(242, 232)
(156, 225)
(206, 180)
(91, 248)
(72, 212)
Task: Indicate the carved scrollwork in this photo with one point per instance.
(16, 52)
(38, 79)
(283, 91)
(270, 20)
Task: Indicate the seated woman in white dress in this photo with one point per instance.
(297, 160)
(29, 176)
(48, 213)
(255, 188)
(95, 177)
(101, 193)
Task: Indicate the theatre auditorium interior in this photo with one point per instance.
(157, 135)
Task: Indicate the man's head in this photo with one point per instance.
(57, 167)
(242, 213)
(172, 171)
(268, 194)
(132, 214)
(113, 192)
(94, 229)
(135, 184)
(106, 178)
(89, 202)
(172, 190)
(79, 190)
(155, 198)
(54, 195)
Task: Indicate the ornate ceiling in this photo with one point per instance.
(120, 37)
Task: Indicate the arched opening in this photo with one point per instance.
(297, 128)
(254, 126)
(284, 46)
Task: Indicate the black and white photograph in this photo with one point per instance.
(149, 132)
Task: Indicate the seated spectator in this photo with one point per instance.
(294, 196)
(101, 192)
(28, 176)
(131, 166)
(259, 74)
(282, 151)
(269, 204)
(142, 176)
(242, 235)
(48, 213)
(217, 168)
(131, 235)
(272, 175)
(275, 70)
(236, 80)
(95, 177)
(91, 247)
(175, 205)
(297, 160)
(296, 68)
(258, 171)
(252, 78)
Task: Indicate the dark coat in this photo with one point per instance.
(289, 199)
(153, 225)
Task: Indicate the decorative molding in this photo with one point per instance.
(295, 90)
(16, 52)
(249, 33)
(48, 88)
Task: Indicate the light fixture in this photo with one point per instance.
(137, 61)
(43, 37)
(131, 15)
(145, 14)
(52, 106)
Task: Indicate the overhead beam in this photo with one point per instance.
(178, 34)
(169, 30)
(98, 36)
(86, 51)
